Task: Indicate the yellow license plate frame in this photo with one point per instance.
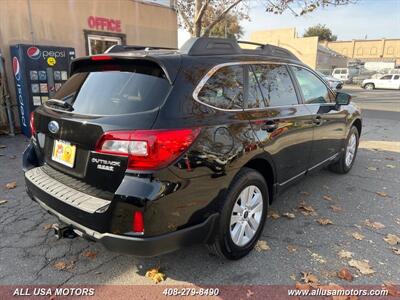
(64, 153)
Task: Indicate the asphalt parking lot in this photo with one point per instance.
(30, 254)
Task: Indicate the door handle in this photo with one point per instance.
(269, 126)
(317, 120)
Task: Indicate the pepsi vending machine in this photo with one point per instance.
(39, 71)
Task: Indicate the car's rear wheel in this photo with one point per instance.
(369, 86)
(242, 216)
(348, 156)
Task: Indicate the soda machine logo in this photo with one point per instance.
(17, 74)
(33, 53)
(16, 68)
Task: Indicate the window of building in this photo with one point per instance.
(225, 88)
(98, 42)
(276, 86)
(313, 89)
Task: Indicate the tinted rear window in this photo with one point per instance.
(111, 92)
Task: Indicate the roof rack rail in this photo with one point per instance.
(222, 46)
(126, 48)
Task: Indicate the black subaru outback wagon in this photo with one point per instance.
(148, 151)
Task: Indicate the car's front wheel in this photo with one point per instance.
(348, 156)
(369, 86)
(242, 215)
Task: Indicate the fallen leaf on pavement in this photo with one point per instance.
(336, 208)
(389, 158)
(89, 254)
(262, 246)
(390, 166)
(318, 258)
(372, 168)
(327, 198)
(273, 214)
(291, 248)
(345, 274)
(48, 226)
(396, 250)
(362, 266)
(391, 288)
(302, 286)
(13, 156)
(249, 293)
(3, 146)
(64, 265)
(11, 185)
(374, 225)
(308, 277)
(293, 277)
(345, 254)
(305, 193)
(358, 236)
(392, 239)
(382, 194)
(3, 202)
(289, 215)
(324, 221)
(155, 275)
(306, 209)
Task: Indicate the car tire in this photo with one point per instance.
(348, 156)
(229, 236)
(369, 86)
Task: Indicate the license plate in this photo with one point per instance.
(64, 153)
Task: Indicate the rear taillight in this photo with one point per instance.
(32, 123)
(147, 149)
(138, 222)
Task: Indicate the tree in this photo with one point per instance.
(229, 27)
(193, 13)
(322, 32)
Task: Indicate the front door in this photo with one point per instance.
(384, 82)
(329, 121)
(282, 125)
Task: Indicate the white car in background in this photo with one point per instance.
(388, 81)
(334, 83)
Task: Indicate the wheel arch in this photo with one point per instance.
(358, 124)
(266, 168)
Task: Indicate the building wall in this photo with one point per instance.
(368, 50)
(305, 49)
(62, 23)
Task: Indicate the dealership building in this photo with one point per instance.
(87, 26)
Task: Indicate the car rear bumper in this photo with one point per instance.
(141, 246)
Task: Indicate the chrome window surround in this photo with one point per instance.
(214, 69)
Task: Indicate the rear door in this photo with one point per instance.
(282, 124)
(384, 82)
(329, 122)
(108, 97)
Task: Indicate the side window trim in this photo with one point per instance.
(214, 69)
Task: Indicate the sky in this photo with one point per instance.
(374, 19)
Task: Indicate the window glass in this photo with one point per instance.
(387, 77)
(137, 88)
(224, 89)
(314, 90)
(344, 71)
(276, 85)
(396, 77)
(337, 71)
(254, 98)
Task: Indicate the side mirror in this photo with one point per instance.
(342, 98)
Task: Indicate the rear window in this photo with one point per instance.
(115, 91)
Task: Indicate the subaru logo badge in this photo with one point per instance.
(53, 127)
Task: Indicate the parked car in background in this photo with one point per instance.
(334, 83)
(388, 81)
(149, 151)
(345, 74)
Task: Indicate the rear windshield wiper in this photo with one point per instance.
(59, 103)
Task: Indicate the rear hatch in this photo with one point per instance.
(101, 96)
